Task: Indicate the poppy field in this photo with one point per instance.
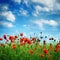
(23, 48)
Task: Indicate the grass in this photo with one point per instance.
(22, 48)
(22, 53)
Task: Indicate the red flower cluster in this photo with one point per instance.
(12, 38)
(45, 51)
(25, 40)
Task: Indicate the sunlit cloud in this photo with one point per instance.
(6, 24)
(41, 23)
(9, 16)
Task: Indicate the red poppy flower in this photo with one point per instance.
(11, 37)
(58, 46)
(5, 37)
(33, 39)
(42, 55)
(45, 51)
(31, 51)
(56, 50)
(14, 46)
(1, 39)
(29, 42)
(21, 40)
(25, 40)
(21, 34)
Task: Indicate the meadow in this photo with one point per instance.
(23, 48)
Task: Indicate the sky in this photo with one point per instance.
(29, 17)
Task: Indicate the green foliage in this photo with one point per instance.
(22, 53)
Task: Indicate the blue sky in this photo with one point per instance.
(30, 16)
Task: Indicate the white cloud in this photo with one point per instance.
(41, 23)
(26, 2)
(57, 6)
(17, 1)
(49, 6)
(48, 3)
(23, 12)
(9, 16)
(39, 9)
(6, 24)
(5, 7)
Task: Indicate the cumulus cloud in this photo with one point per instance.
(39, 9)
(8, 15)
(6, 24)
(48, 3)
(41, 23)
(49, 6)
(23, 12)
(17, 1)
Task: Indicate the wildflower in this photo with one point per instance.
(14, 46)
(21, 40)
(45, 51)
(44, 42)
(38, 40)
(5, 37)
(58, 46)
(50, 47)
(16, 37)
(21, 34)
(1, 39)
(45, 36)
(41, 55)
(21, 44)
(41, 37)
(31, 51)
(33, 39)
(11, 37)
(29, 42)
(56, 50)
(51, 38)
(25, 40)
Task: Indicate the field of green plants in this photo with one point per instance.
(22, 48)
